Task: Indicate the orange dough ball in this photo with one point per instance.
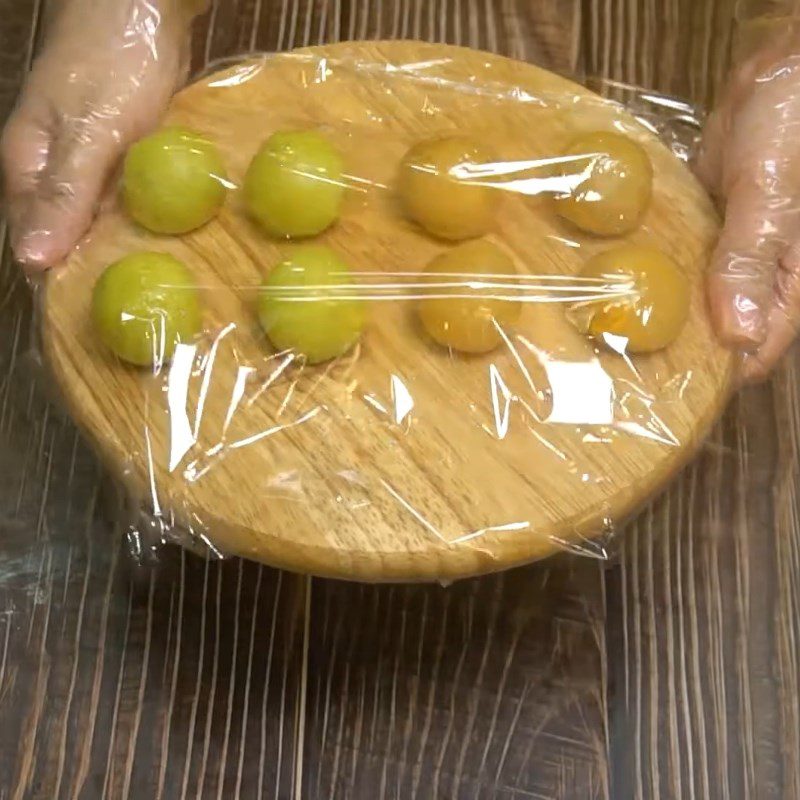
(608, 184)
(443, 187)
(469, 313)
(652, 311)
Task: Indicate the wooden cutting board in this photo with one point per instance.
(401, 462)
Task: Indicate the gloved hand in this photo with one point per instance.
(751, 161)
(105, 76)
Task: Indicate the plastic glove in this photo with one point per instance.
(105, 76)
(751, 161)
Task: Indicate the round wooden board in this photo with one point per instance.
(402, 462)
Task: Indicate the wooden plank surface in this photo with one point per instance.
(671, 674)
(492, 688)
(703, 610)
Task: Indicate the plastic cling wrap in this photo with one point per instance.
(394, 311)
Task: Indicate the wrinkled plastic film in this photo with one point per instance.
(505, 391)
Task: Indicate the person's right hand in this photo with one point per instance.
(751, 162)
(105, 76)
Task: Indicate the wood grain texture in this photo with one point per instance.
(673, 674)
(489, 689)
(437, 483)
(702, 611)
(707, 598)
(176, 679)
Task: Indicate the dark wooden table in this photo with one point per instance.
(671, 673)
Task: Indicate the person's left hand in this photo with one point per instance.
(750, 161)
(104, 78)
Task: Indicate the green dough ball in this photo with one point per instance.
(302, 306)
(174, 181)
(143, 305)
(294, 186)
